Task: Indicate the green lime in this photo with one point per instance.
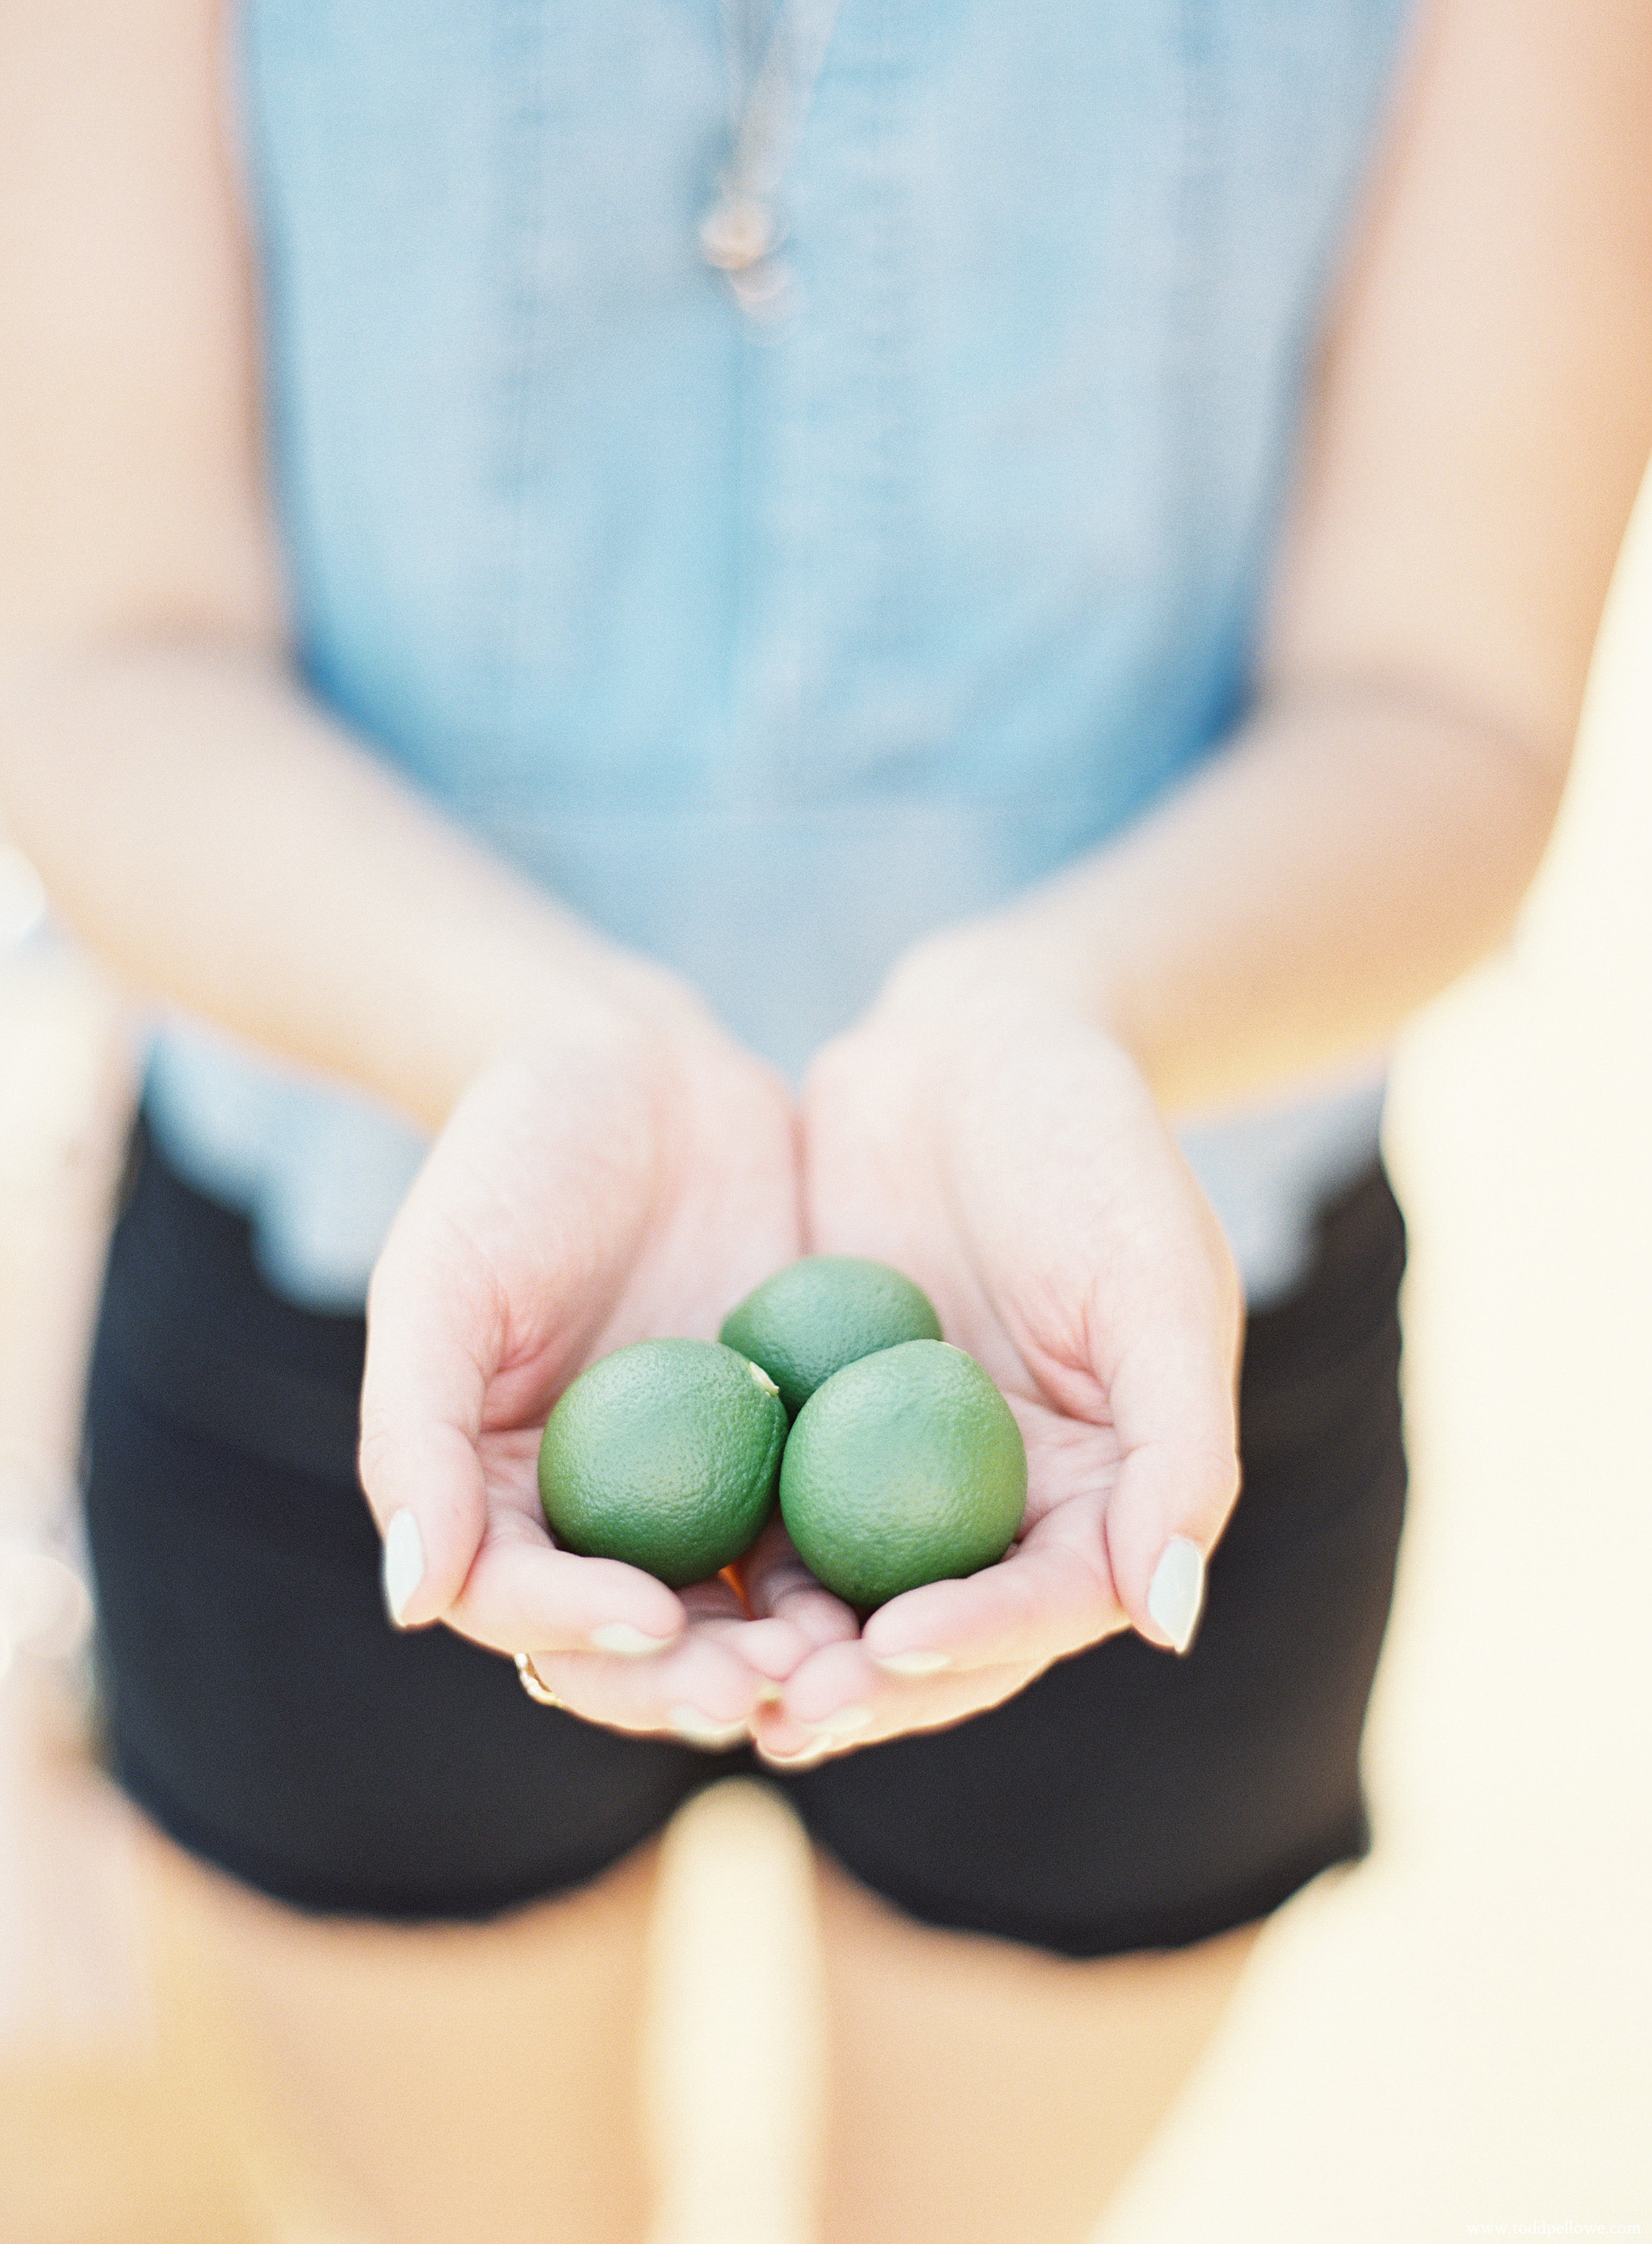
(815, 1316)
(664, 1454)
(904, 1468)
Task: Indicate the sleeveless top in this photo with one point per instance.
(769, 655)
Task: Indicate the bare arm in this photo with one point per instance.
(611, 1165)
(200, 821)
(1482, 417)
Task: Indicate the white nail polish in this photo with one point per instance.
(847, 1722)
(912, 1663)
(1176, 1590)
(535, 1685)
(618, 1636)
(404, 1563)
(699, 1729)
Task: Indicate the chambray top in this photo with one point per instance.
(770, 655)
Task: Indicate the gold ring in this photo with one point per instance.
(530, 1681)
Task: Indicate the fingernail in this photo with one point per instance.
(805, 1756)
(618, 1636)
(404, 1563)
(1176, 1590)
(535, 1685)
(912, 1663)
(699, 1729)
(847, 1722)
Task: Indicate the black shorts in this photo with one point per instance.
(258, 1706)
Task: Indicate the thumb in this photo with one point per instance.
(1163, 1516)
(1173, 1407)
(432, 1348)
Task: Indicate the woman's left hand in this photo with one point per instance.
(977, 1132)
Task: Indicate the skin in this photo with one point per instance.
(1479, 420)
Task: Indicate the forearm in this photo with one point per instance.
(1345, 858)
(1476, 430)
(227, 846)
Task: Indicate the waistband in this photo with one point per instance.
(199, 1337)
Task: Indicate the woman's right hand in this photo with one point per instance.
(629, 1171)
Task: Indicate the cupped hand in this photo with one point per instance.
(626, 1172)
(982, 1135)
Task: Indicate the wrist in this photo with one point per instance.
(556, 989)
(1024, 966)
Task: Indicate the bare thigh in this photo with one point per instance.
(478, 2083)
(990, 2093)
(474, 2083)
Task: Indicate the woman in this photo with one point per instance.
(897, 632)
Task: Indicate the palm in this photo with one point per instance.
(574, 1203)
(621, 1219)
(1022, 1178)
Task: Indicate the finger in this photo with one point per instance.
(771, 1646)
(839, 1702)
(1169, 1370)
(837, 1707)
(717, 1600)
(939, 1653)
(1052, 1597)
(433, 1340)
(1166, 1515)
(773, 1643)
(773, 1649)
(523, 1594)
(1173, 1410)
(700, 1692)
(778, 1585)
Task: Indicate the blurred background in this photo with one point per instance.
(1451, 2037)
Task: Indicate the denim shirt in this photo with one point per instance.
(772, 650)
